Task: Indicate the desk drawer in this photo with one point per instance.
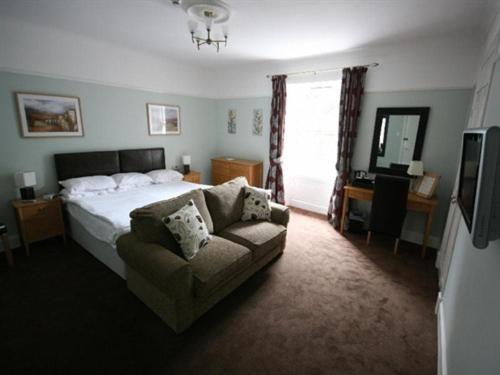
(362, 195)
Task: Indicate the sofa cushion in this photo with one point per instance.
(225, 202)
(189, 229)
(147, 221)
(216, 263)
(255, 205)
(260, 237)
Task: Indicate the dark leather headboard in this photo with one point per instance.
(80, 164)
(142, 160)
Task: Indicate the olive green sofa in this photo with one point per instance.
(180, 291)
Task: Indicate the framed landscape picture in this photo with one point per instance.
(164, 119)
(43, 115)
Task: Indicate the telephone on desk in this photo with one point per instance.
(361, 179)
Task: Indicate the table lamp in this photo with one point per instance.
(415, 169)
(25, 181)
(186, 161)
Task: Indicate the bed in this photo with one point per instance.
(96, 222)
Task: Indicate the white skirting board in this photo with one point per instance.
(308, 206)
(442, 364)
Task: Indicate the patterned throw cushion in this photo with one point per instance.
(255, 205)
(189, 229)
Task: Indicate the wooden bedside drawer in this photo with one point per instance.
(39, 211)
(37, 230)
(39, 220)
(193, 176)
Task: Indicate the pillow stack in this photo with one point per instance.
(132, 179)
(87, 186)
(161, 176)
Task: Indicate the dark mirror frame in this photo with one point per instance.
(423, 112)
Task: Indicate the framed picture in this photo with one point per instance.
(258, 122)
(164, 119)
(42, 115)
(427, 184)
(231, 121)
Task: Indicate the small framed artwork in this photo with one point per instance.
(258, 122)
(164, 119)
(231, 121)
(42, 115)
(427, 184)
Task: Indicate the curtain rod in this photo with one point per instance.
(315, 72)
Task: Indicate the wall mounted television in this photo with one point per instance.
(479, 184)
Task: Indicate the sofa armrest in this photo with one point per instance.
(279, 214)
(167, 271)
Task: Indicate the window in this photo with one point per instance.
(311, 135)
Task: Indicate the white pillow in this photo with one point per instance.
(160, 176)
(132, 179)
(90, 183)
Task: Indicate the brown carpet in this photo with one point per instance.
(329, 305)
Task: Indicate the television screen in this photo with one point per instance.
(469, 171)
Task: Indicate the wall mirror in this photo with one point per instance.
(398, 139)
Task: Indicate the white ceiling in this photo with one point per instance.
(259, 29)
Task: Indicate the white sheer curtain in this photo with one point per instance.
(311, 143)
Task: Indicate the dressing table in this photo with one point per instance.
(415, 204)
(398, 139)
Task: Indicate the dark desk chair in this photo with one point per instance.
(6, 245)
(388, 207)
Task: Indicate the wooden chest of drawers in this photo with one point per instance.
(225, 169)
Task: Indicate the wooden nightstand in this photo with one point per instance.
(193, 176)
(39, 220)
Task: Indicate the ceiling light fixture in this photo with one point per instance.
(208, 12)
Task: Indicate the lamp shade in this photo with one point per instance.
(25, 179)
(416, 168)
(186, 159)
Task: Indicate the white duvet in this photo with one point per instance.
(106, 216)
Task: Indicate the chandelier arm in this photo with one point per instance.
(199, 41)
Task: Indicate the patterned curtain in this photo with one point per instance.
(275, 175)
(350, 105)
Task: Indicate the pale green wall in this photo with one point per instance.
(243, 144)
(471, 303)
(447, 119)
(113, 118)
